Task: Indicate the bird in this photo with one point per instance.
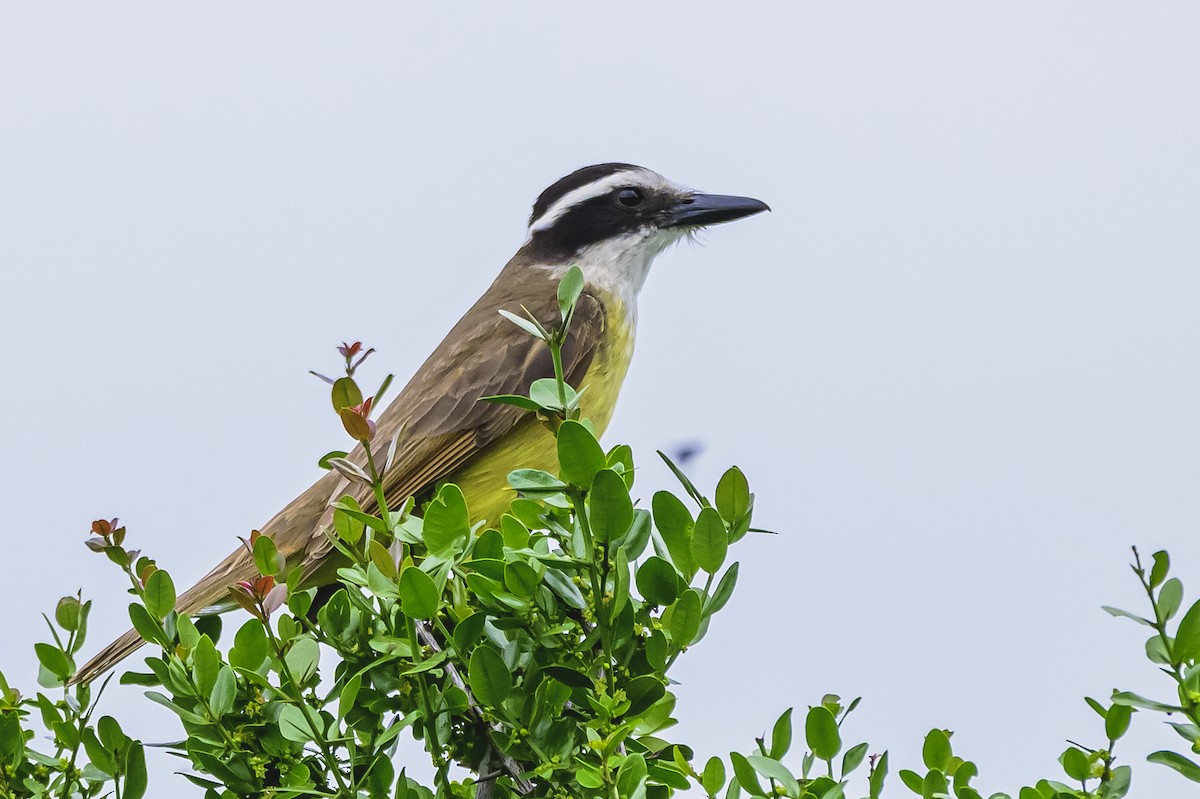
(611, 221)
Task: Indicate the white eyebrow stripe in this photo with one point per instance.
(574, 197)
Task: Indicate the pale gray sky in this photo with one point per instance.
(958, 362)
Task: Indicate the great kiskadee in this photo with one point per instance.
(610, 220)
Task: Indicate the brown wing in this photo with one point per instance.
(438, 420)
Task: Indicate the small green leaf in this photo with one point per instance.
(447, 523)
(579, 454)
(1124, 614)
(710, 541)
(1116, 721)
(293, 725)
(146, 625)
(1158, 572)
(1134, 700)
(346, 394)
(516, 400)
(530, 327)
(419, 595)
(303, 658)
(733, 495)
(854, 758)
(1178, 762)
(266, 557)
(675, 525)
(520, 578)
(774, 770)
(160, 594)
(878, 775)
(1187, 637)
(643, 692)
(821, 733)
(745, 774)
(570, 287)
(249, 646)
(224, 691)
(1075, 764)
(657, 581)
(685, 617)
(67, 613)
(206, 662)
(535, 482)
(610, 510)
(135, 772)
(1170, 597)
(713, 778)
(723, 591)
(781, 735)
(936, 751)
(491, 680)
(53, 660)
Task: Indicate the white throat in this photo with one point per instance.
(619, 265)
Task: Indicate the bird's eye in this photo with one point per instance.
(629, 198)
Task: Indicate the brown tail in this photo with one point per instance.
(292, 528)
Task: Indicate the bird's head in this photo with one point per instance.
(612, 220)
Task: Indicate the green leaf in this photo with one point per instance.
(878, 775)
(686, 615)
(566, 590)
(821, 733)
(530, 327)
(610, 510)
(419, 595)
(293, 725)
(135, 772)
(249, 646)
(936, 752)
(643, 692)
(1075, 764)
(67, 613)
(713, 778)
(1178, 762)
(53, 659)
(348, 527)
(570, 286)
(1126, 615)
(774, 770)
(710, 541)
(1158, 572)
(1133, 700)
(205, 664)
(657, 581)
(1187, 637)
(781, 735)
(147, 626)
(1118, 786)
(638, 536)
(579, 454)
(447, 523)
(516, 400)
(224, 691)
(491, 680)
(346, 394)
(266, 557)
(723, 591)
(854, 758)
(683, 480)
(303, 658)
(520, 578)
(1170, 597)
(745, 774)
(733, 495)
(675, 525)
(535, 482)
(160, 594)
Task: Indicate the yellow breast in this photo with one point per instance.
(484, 480)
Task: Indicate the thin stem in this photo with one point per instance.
(318, 735)
(602, 620)
(432, 744)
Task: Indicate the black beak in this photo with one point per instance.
(709, 209)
